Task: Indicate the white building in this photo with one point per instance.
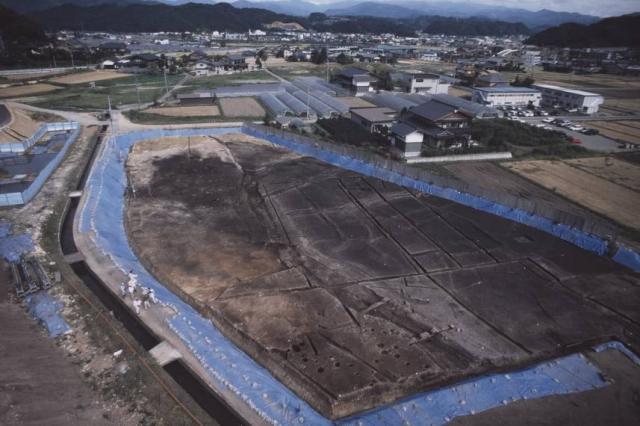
(419, 82)
(506, 96)
(406, 140)
(560, 97)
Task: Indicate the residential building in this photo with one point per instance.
(419, 82)
(375, 120)
(569, 99)
(506, 96)
(406, 141)
(441, 126)
(356, 80)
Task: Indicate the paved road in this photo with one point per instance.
(597, 143)
(83, 118)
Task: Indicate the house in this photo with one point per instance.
(406, 141)
(492, 79)
(569, 99)
(418, 82)
(506, 96)
(236, 62)
(358, 81)
(442, 125)
(375, 120)
(109, 65)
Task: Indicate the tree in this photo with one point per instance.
(319, 56)
(258, 63)
(263, 55)
(344, 59)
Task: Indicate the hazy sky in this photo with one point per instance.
(587, 7)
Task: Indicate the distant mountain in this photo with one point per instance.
(297, 8)
(157, 17)
(610, 32)
(541, 18)
(25, 6)
(17, 31)
(470, 26)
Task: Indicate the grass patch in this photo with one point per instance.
(524, 140)
(122, 92)
(214, 81)
(151, 118)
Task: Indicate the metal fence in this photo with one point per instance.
(18, 198)
(544, 209)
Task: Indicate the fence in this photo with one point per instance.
(461, 157)
(17, 198)
(20, 147)
(442, 186)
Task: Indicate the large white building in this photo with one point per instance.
(506, 96)
(560, 97)
(419, 82)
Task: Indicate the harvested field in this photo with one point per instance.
(241, 107)
(355, 292)
(27, 90)
(614, 170)
(187, 111)
(355, 102)
(600, 195)
(87, 77)
(623, 130)
(491, 175)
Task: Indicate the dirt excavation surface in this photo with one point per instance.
(355, 292)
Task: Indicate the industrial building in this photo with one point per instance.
(569, 99)
(506, 96)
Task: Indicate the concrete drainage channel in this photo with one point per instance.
(178, 371)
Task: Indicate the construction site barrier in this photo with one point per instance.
(18, 198)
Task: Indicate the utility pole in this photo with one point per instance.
(138, 90)
(308, 98)
(166, 86)
(327, 58)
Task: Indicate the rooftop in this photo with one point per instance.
(565, 89)
(506, 89)
(375, 115)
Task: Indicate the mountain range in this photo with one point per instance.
(380, 8)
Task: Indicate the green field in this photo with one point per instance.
(122, 92)
(214, 81)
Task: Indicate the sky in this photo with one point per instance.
(587, 7)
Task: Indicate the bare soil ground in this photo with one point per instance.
(87, 77)
(22, 126)
(622, 130)
(461, 93)
(27, 90)
(355, 292)
(40, 382)
(603, 196)
(186, 111)
(241, 107)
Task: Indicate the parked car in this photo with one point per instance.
(590, 131)
(548, 120)
(576, 141)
